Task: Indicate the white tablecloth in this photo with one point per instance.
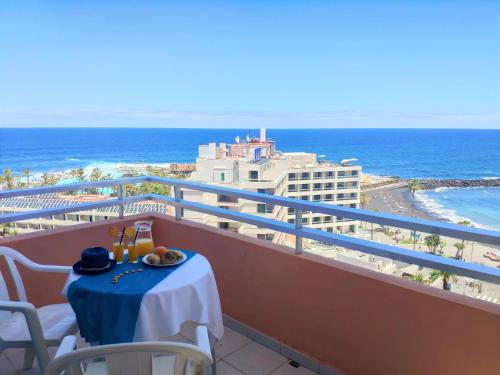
(187, 294)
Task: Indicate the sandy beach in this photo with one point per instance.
(395, 200)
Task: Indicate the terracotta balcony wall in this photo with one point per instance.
(355, 320)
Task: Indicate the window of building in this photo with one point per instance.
(318, 175)
(354, 205)
(354, 173)
(291, 211)
(305, 220)
(269, 236)
(224, 207)
(316, 220)
(329, 197)
(269, 208)
(340, 185)
(327, 219)
(305, 197)
(304, 187)
(292, 187)
(341, 174)
(261, 236)
(317, 198)
(291, 221)
(222, 176)
(261, 208)
(329, 186)
(352, 228)
(354, 195)
(262, 191)
(329, 229)
(305, 176)
(329, 174)
(317, 186)
(340, 196)
(292, 176)
(254, 175)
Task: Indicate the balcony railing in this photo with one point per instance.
(472, 270)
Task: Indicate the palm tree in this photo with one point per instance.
(363, 201)
(27, 174)
(8, 179)
(45, 179)
(432, 242)
(73, 174)
(442, 244)
(460, 249)
(465, 223)
(446, 279)
(418, 278)
(413, 186)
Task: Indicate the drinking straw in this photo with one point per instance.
(135, 238)
(121, 238)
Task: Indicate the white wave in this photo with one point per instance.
(72, 159)
(441, 189)
(441, 211)
(489, 178)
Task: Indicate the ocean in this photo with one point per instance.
(408, 153)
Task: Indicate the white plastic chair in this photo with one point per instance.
(141, 358)
(24, 326)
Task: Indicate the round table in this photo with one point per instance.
(189, 293)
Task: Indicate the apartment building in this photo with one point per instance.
(255, 164)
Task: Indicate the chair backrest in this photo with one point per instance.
(142, 358)
(4, 296)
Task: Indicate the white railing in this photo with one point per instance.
(472, 270)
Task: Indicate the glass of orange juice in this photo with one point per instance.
(118, 247)
(133, 252)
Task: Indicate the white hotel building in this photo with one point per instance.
(256, 165)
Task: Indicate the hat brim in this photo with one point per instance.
(77, 268)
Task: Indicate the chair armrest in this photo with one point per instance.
(24, 307)
(9, 252)
(34, 327)
(202, 340)
(68, 344)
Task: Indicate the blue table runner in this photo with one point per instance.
(106, 312)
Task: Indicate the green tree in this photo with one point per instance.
(413, 186)
(432, 242)
(27, 174)
(418, 278)
(442, 245)
(465, 223)
(8, 179)
(73, 174)
(80, 175)
(460, 250)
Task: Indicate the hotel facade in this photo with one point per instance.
(255, 164)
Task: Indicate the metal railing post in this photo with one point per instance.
(120, 197)
(177, 196)
(298, 228)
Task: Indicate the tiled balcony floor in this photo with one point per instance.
(235, 354)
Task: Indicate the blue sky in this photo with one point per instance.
(250, 63)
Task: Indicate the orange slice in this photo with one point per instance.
(130, 231)
(113, 231)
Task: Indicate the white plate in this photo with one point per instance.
(182, 260)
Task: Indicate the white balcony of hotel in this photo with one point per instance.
(289, 311)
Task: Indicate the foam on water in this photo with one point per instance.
(479, 205)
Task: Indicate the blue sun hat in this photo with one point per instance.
(93, 261)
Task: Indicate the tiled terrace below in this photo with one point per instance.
(327, 314)
(236, 354)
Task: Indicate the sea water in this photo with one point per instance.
(408, 153)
